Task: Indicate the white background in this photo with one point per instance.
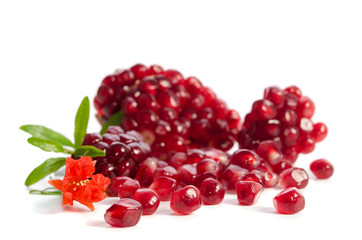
(52, 54)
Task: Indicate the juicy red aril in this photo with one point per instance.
(164, 187)
(275, 95)
(186, 200)
(146, 171)
(212, 191)
(305, 107)
(128, 188)
(320, 131)
(124, 213)
(264, 109)
(245, 158)
(124, 185)
(271, 179)
(231, 175)
(148, 199)
(269, 152)
(207, 165)
(293, 177)
(289, 201)
(199, 178)
(281, 166)
(186, 174)
(166, 171)
(255, 176)
(322, 168)
(248, 192)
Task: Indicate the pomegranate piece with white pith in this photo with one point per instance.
(170, 111)
(285, 118)
(124, 213)
(289, 201)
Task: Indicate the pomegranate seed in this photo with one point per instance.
(177, 160)
(269, 152)
(322, 168)
(186, 174)
(124, 213)
(275, 95)
(320, 131)
(245, 159)
(306, 144)
(231, 175)
(271, 179)
(264, 109)
(199, 178)
(248, 192)
(166, 171)
(254, 176)
(128, 188)
(212, 191)
(164, 187)
(294, 90)
(207, 165)
(293, 177)
(305, 107)
(281, 166)
(289, 201)
(146, 171)
(148, 199)
(186, 200)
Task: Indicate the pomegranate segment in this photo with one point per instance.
(124, 213)
(322, 168)
(186, 200)
(170, 111)
(248, 192)
(289, 201)
(148, 199)
(293, 177)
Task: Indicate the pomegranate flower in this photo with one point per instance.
(80, 184)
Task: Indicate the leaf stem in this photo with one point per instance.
(45, 191)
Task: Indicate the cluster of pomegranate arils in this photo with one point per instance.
(174, 139)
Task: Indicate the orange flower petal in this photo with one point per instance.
(57, 183)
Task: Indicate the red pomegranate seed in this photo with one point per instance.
(322, 168)
(293, 177)
(199, 178)
(124, 187)
(166, 171)
(164, 187)
(271, 179)
(207, 165)
(186, 174)
(148, 199)
(264, 109)
(255, 176)
(275, 95)
(294, 90)
(305, 107)
(306, 144)
(268, 151)
(177, 160)
(320, 131)
(186, 200)
(231, 175)
(248, 192)
(289, 201)
(212, 191)
(124, 213)
(281, 166)
(245, 158)
(146, 171)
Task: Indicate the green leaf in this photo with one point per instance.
(47, 134)
(47, 167)
(47, 145)
(46, 191)
(89, 151)
(115, 120)
(81, 122)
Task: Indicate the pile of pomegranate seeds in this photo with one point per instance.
(174, 139)
(284, 117)
(170, 111)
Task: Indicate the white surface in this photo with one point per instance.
(54, 54)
